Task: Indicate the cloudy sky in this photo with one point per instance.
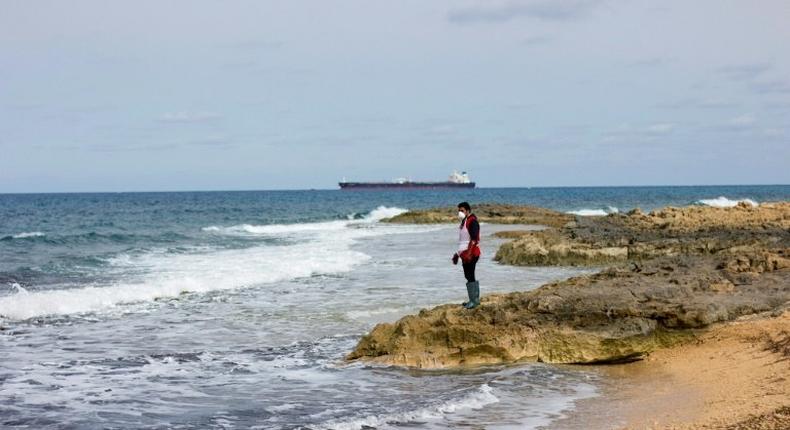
(207, 95)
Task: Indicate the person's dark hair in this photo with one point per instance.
(465, 205)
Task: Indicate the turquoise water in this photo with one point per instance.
(234, 309)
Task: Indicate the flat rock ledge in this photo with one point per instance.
(673, 273)
(636, 236)
(617, 315)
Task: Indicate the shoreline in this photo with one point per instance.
(731, 377)
(691, 313)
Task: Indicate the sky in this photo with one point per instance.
(239, 95)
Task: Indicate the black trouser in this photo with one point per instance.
(469, 269)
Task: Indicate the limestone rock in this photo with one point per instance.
(616, 315)
(491, 213)
(674, 271)
(596, 241)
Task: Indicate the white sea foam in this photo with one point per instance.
(375, 215)
(477, 399)
(724, 202)
(170, 276)
(275, 229)
(27, 234)
(382, 212)
(595, 212)
(364, 314)
(157, 274)
(19, 288)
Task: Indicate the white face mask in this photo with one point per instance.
(461, 215)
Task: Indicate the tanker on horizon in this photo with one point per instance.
(456, 180)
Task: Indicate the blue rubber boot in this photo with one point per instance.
(473, 288)
(470, 291)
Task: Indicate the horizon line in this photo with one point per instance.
(376, 189)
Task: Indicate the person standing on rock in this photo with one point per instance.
(469, 252)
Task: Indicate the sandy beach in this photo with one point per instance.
(734, 376)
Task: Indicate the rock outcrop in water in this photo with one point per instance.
(491, 213)
(676, 271)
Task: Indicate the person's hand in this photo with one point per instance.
(455, 258)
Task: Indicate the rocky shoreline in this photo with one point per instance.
(670, 275)
(491, 213)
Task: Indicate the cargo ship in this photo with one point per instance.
(456, 180)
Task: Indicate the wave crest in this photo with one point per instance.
(724, 202)
(477, 399)
(325, 249)
(373, 216)
(172, 275)
(595, 212)
(23, 235)
(383, 212)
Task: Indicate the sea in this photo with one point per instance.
(221, 310)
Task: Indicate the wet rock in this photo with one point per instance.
(616, 315)
(671, 273)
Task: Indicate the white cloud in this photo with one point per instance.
(189, 117)
(535, 40)
(773, 132)
(490, 11)
(741, 72)
(442, 130)
(771, 87)
(662, 128)
(743, 120)
(215, 140)
(639, 133)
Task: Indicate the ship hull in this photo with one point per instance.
(403, 185)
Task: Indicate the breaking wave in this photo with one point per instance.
(172, 275)
(475, 400)
(724, 202)
(325, 250)
(375, 215)
(595, 212)
(23, 235)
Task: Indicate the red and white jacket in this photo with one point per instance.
(469, 238)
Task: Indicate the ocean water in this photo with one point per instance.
(235, 309)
